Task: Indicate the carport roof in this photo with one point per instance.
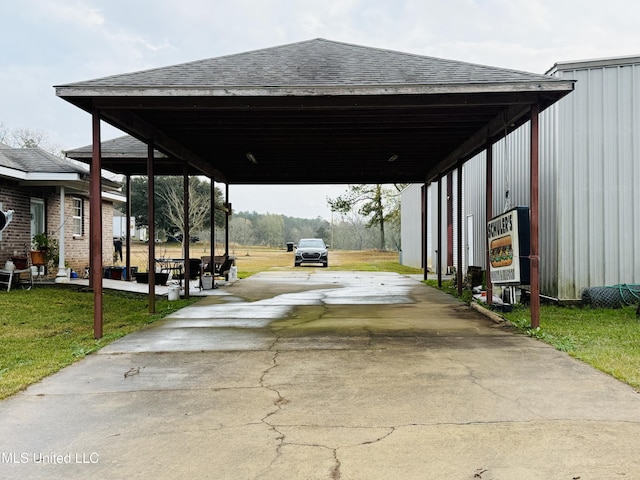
(314, 112)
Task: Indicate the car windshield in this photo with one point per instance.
(311, 243)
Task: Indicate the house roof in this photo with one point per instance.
(315, 112)
(315, 63)
(127, 149)
(37, 166)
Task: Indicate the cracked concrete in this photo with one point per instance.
(314, 374)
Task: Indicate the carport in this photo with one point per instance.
(314, 112)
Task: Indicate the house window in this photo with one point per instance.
(77, 217)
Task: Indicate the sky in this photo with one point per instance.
(55, 42)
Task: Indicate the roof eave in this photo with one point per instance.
(552, 85)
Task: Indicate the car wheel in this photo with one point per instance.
(325, 264)
(297, 264)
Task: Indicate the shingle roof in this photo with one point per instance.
(345, 107)
(316, 63)
(125, 146)
(37, 160)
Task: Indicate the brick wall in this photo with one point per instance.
(77, 246)
(16, 238)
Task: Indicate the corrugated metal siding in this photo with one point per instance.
(599, 243)
(589, 183)
(511, 167)
(410, 233)
(474, 173)
(548, 202)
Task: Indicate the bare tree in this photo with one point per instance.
(199, 207)
(28, 138)
(4, 133)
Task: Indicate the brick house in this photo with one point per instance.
(35, 185)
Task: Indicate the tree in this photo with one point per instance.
(27, 138)
(270, 230)
(169, 199)
(378, 203)
(199, 205)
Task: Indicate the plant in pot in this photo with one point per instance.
(45, 250)
(143, 276)
(115, 271)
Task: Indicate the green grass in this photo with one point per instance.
(449, 286)
(49, 327)
(607, 339)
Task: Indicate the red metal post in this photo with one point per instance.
(227, 215)
(425, 227)
(213, 217)
(152, 229)
(186, 240)
(439, 252)
(459, 221)
(489, 216)
(128, 229)
(95, 226)
(449, 220)
(534, 211)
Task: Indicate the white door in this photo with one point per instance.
(37, 216)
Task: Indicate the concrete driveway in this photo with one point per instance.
(316, 374)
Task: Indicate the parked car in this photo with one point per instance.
(311, 250)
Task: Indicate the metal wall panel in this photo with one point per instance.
(474, 173)
(599, 208)
(589, 181)
(410, 232)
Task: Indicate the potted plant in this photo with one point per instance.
(143, 277)
(45, 250)
(115, 271)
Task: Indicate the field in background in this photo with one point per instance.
(250, 260)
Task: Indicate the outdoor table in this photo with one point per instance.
(174, 266)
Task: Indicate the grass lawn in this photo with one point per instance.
(607, 339)
(50, 326)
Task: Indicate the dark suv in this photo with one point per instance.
(311, 250)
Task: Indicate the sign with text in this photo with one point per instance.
(508, 241)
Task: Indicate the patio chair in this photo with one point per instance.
(216, 266)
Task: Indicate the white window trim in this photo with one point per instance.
(81, 216)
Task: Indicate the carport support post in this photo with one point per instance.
(534, 248)
(489, 216)
(213, 218)
(439, 252)
(151, 270)
(425, 229)
(185, 237)
(95, 225)
(226, 219)
(128, 229)
(459, 221)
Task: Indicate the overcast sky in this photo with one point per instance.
(52, 42)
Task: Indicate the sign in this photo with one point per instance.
(508, 241)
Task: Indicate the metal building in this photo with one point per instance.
(589, 166)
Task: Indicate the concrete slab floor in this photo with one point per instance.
(316, 375)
